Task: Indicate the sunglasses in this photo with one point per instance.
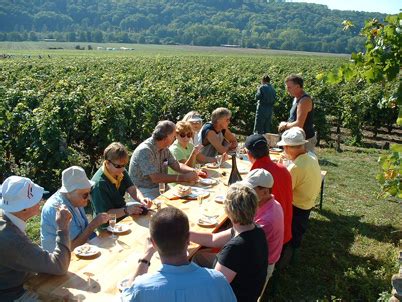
(183, 135)
(116, 165)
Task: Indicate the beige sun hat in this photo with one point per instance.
(258, 178)
(293, 137)
(74, 178)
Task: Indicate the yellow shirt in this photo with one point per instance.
(306, 181)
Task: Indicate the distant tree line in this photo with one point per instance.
(252, 23)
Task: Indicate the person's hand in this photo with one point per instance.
(225, 157)
(233, 145)
(197, 149)
(100, 219)
(63, 218)
(134, 209)
(147, 202)
(189, 177)
(282, 126)
(202, 173)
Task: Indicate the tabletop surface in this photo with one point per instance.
(98, 277)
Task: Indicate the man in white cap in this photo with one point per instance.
(269, 214)
(19, 256)
(306, 180)
(74, 195)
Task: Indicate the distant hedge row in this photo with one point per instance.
(58, 112)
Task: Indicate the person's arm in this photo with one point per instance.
(303, 108)
(227, 272)
(95, 223)
(211, 240)
(193, 156)
(214, 140)
(230, 138)
(258, 95)
(143, 265)
(202, 159)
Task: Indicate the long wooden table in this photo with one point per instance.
(96, 279)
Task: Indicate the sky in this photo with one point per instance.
(382, 6)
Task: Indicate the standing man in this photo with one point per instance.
(178, 279)
(151, 159)
(306, 181)
(265, 98)
(19, 256)
(302, 111)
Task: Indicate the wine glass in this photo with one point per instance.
(218, 160)
(112, 224)
(197, 167)
(162, 188)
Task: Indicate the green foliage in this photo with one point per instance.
(381, 63)
(253, 23)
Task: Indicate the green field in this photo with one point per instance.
(63, 108)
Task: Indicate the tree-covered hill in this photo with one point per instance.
(251, 23)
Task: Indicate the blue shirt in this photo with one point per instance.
(183, 283)
(48, 226)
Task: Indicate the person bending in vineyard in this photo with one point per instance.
(265, 98)
(151, 159)
(302, 111)
(216, 136)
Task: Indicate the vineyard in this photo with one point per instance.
(55, 112)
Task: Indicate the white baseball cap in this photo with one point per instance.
(195, 118)
(19, 193)
(74, 178)
(259, 178)
(293, 137)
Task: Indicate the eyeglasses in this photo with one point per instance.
(183, 135)
(116, 165)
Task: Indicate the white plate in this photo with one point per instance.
(122, 284)
(212, 165)
(219, 199)
(275, 149)
(207, 181)
(207, 222)
(243, 171)
(195, 192)
(119, 228)
(86, 250)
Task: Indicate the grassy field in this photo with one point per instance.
(350, 249)
(68, 49)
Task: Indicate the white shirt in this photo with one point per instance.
(21, 224)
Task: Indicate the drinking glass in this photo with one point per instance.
(218, 160)
(197, 167)
(112, 224)
(162, 188)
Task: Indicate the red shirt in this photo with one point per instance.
(282, 190)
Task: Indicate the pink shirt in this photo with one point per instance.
(270, 218)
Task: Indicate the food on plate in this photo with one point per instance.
(183, 190)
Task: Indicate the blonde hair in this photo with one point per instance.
(115, 151)
(241, 204)
(218, 113)
(184, 127)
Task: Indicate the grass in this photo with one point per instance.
(349, 252)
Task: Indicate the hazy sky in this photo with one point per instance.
(382, 6)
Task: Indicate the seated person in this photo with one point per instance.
(306, 180)
(216, 136)
(184, 151)
(111, 182)
(19, 256)
(151, 159)
(74, 195)
(269, 214)
(178, 279)
(244, 256)
(195, 120)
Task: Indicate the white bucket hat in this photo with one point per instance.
(293, 137)
(19, 193)
(195, 118)
(259, 178)
(74, 178)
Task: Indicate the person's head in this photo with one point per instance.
(76, 186)
(261, 181)
(21, 197)
(293, 142)
(164, 133)
(241, 203)
(184, 133)
(257, 147)
(169, 229)
(116, 158)
(195, 119)
(265, 79)
(221, 117)
(294, 84)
